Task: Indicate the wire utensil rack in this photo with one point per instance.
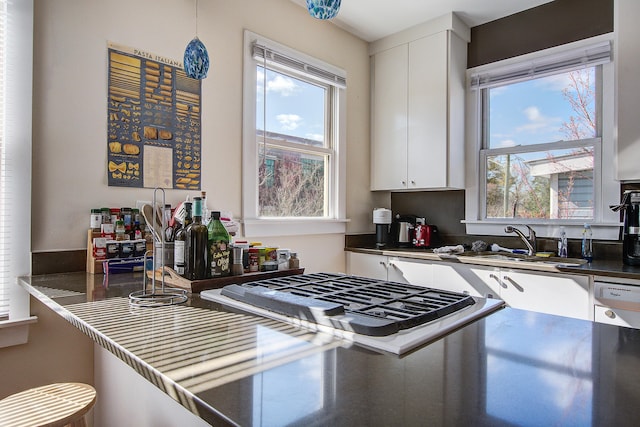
(154, 295)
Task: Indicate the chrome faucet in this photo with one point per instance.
(530, 241)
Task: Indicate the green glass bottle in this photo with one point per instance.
(220, 252)
(197, 264)
(180, 241)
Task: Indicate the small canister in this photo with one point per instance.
(96, 219)
(294, 262)
(283, 258)
(254, 259)
(237, 268)
(106, 215)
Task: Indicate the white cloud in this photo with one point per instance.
(538, 121)
(505, 143)
(289, 121)
(282, 85)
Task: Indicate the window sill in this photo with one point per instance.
(15, 332)
(551, 229)
(293, 227)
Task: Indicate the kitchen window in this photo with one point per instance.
(542, 132)
(294, 132)
(16, 67)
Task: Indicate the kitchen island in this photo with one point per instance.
(513, 367)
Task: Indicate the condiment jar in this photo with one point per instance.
(294, 262)
(96, 219)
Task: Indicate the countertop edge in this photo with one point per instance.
(178, 393)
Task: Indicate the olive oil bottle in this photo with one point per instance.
(180, 241)
(197, 262)
(220, 252)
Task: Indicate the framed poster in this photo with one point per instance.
(153, 122)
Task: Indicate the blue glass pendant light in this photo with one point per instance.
(323, 9)
(196, 57)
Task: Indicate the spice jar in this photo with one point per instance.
(294, 262)
(96, 219)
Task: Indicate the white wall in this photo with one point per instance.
(70, 106)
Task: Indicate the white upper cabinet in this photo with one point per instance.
(627, 57)
(418, 93)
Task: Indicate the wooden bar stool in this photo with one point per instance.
(53, 405)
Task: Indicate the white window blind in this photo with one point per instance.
(323, 74)
(596, 54)
(16, 94)
(5, 176)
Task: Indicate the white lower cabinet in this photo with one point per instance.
(367, 265)
(561, 294)
(471, 280)
(552, 293)
(415, 272)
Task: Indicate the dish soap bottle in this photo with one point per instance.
(587, 248)
(562, 243)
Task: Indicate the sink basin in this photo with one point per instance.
(506, 260)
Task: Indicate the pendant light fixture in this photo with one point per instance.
(196, 57)
(323, 9)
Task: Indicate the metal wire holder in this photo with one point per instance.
(164, 295)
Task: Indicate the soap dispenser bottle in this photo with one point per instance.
(562, 243)
(587, 248)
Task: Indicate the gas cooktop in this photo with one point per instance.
(389, 316)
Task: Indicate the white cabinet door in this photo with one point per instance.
(389, 119)
(418, 114)
(367, 265)
(412, 271)
(471, 280)
(560, 294)
(427, 112)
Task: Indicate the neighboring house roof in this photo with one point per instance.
(561, 164)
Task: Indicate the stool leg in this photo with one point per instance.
(79, 423)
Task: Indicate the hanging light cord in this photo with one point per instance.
(196, 18)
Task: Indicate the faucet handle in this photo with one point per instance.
(532, 233)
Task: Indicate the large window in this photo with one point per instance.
(294, 131)
(294, 147)
(16, 63)
(541, 141)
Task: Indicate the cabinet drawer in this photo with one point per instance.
(617, 316)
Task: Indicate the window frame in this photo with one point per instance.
(253, 224)
(605, 223)
(17, 136)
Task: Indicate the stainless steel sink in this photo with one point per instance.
(507, 260)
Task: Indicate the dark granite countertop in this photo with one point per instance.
(599, 267)
(511, 368)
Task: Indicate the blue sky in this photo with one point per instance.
(529, 112)
(294, 107)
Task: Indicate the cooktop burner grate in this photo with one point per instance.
(362, 305)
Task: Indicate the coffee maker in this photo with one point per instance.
(382, 220)
(631, 228)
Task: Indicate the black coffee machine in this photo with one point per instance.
(631, 228)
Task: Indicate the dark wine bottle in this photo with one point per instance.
(197, 264)
(219, 247)
(179, 244)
